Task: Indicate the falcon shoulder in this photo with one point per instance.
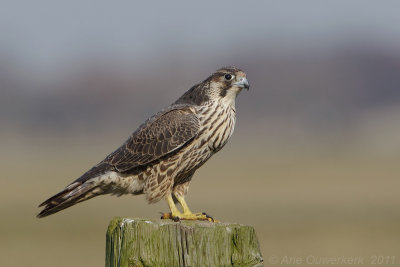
(164, 133)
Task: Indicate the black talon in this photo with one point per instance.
(209, 217)
(176, 219)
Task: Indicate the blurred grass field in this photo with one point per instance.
(332, 203)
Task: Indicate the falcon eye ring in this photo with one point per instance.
(228, 77)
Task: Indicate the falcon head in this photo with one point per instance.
(228, 82)
(223, 85)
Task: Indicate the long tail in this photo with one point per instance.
(84, 188)
(71, 195)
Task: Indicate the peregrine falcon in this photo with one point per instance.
(160, 158)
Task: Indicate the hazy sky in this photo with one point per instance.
(44, 32)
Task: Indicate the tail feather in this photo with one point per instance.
(81, 189)
(60, 194)
(69, 197)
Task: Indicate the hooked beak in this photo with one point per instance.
(243, 83)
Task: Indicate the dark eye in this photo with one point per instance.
(228, 77)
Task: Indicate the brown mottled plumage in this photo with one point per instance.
(161, 156)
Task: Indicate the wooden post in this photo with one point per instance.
(140, 242)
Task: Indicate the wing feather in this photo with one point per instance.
(162, 134)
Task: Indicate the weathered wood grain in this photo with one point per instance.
(140, 242)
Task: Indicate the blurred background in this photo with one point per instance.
(313, 164)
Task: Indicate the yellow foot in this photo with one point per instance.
(201, 216)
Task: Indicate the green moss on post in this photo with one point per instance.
(140, 242)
